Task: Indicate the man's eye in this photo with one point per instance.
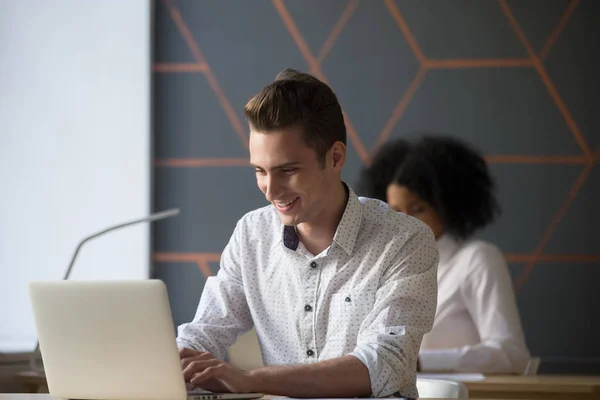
(288, 170)
(260, 171)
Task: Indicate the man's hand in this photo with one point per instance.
(205, 371)
(344, 376)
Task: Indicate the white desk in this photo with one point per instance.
(26, 396)
(548, 387)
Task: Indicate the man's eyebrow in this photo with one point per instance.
(280, 166)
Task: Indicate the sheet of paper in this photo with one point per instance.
(466, 377)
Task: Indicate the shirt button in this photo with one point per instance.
(313, 264)
(347, 299)
(310, 353)
(307, 307)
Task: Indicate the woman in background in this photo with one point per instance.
(447, 185)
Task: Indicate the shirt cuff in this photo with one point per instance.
(183, 343)
(383, 383)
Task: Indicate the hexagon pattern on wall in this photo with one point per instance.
(488, 72)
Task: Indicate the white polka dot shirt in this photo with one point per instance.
(371, 294)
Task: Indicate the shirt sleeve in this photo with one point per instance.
(489, 297)
(389, 338)
(223, 312)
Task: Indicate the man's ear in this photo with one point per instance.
(338, 154)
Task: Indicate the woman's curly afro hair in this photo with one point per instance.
(445, 172)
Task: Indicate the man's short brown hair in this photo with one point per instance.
(299, 99)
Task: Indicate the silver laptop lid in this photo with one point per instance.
(107, 339)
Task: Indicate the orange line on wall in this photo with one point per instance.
(553, 258)
(351, 132)
(179, 67)
(337, 29)
(519, 159)
(315, 68)
(295, 33)
(553, 225)
(478, 63)
(210, 77)
(565, 112)
(185, 32)
(569, 258)
(546, 79)
(201, 259)
(201, 162)
(400, 108)
(412, 42)
(186, 257)
(517, 28)
(558, 29)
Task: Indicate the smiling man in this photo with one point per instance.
(340, 289)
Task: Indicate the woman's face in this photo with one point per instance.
(402, 199)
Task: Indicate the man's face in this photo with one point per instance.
(291, 176)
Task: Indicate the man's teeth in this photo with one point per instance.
(283, 205)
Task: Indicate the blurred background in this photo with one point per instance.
(110, 110)
(517, 79)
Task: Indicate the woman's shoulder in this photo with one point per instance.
(478, 253)
(475, 245)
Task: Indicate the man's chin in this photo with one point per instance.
(288, 220)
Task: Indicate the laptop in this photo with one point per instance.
(110, 340)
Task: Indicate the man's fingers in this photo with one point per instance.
(200, 377)
(209, 379)
(184, 352)
(211, 384)
(199, 357)
(198, 366)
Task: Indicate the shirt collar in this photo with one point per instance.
(290, 237)
(346, 232)
(447, 245)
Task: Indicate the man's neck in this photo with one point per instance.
(317, 236)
